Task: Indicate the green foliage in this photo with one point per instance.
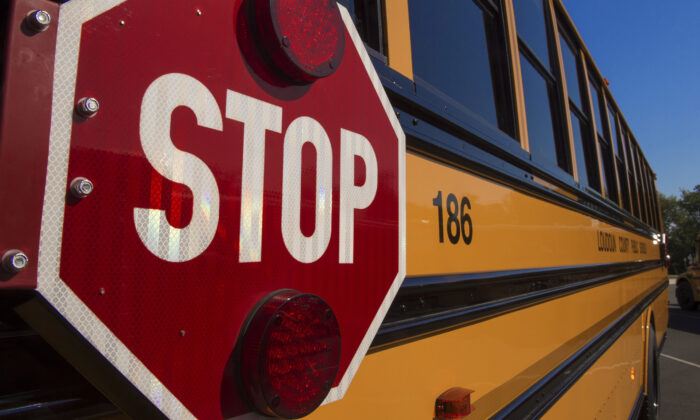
(682, 224)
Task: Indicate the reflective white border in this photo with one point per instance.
(72, 16)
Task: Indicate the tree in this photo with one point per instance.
(681, 217)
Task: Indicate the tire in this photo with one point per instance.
(684, 294)
(650, 405)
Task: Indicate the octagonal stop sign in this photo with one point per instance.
(191, 175)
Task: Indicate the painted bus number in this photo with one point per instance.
(459, 222)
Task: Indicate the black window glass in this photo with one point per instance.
(531, 27)
(602, 150)
(608, 171)
(624, 190)
(596, 110)
(456, 49)
(578, 129)
(616, 137)
(538, 109)
(571, 72)
(367, 20)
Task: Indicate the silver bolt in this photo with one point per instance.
(81, 187)
(38, 20)
(87, 107)
(122, 23)
(182, 333)
(102, 291)
(199, 12)
(14, 261)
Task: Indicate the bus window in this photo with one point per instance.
(586, 162)
(547, 143)
(605, 153)
(530, 20)
(579, 129)
(368, 18)
(630, 173)
(458, 48)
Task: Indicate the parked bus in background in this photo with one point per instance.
(530, 233)
(688, 283)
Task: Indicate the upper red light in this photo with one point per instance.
(290, 354)
(305, 39)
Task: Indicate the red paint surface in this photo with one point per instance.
(25, 118)
(148, 301)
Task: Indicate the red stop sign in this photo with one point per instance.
(215, 184)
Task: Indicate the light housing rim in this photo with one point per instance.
(254, 339)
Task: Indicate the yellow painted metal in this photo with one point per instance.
(398, 34)
(499, 358)
(606, 390)
(511, 230)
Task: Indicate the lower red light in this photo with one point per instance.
(290, 354)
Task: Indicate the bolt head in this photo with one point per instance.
(87, 107)
(38, 20)
(14, 261)
(285, 41)
(81, 187)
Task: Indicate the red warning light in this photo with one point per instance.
(455, 403)
(290, 354)
(305, 39)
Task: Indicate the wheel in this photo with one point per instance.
(684, 294)
(650, 406)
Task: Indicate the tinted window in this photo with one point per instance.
(530, 24)
(538, 109)
(581, 161)
(614, 138)
(602, 150)
(596, 110)
(571, 72)
(451, 52)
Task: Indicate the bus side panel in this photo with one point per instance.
(609, 389)
(507, 229)
(499, 358)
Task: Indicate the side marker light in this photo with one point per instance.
(455, 403)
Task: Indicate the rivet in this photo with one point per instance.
(285, 41)
(398, 114)
(81, 187)
(198, 12)
(14, 261)
(87, 107)
(122, 23)
(38, 20)
(415, 121)
(278, 319)
(102, 291)
(182, 333)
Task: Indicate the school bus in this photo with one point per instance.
(535, 283)
(688, 283)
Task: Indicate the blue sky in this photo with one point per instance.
(650, 53)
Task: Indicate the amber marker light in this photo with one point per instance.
(304, 39)
(455, 403)
(290, 354)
